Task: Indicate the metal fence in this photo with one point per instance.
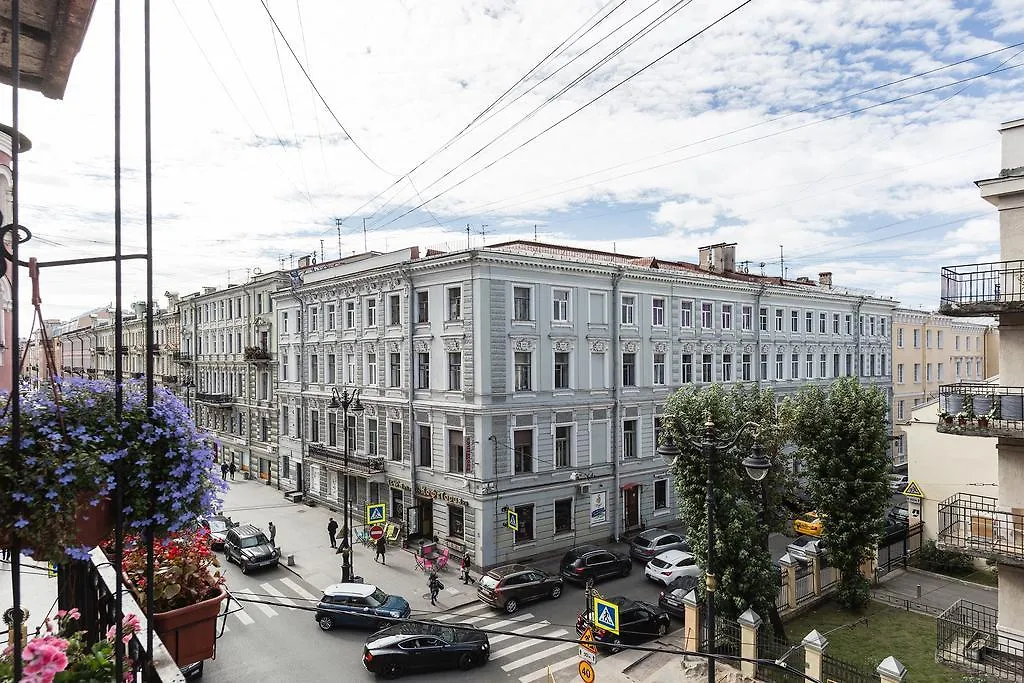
(782, 598)
(771, 648)
(829, 578)
(982, 287)
(833, 669)
(728, 637)
(966, 636)
(896, 549)
(908, 604)
(981, 409)
(804, 583)
(977, 525)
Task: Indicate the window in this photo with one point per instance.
(350, 434)
(394, 309)
(956, 342)
(628, 369)
(959, 368)
(686, 368)
(425, 455)
(371, 436)
(938, 339)
(658, 426)
(629, 445)
(726, 367)
(560, 305)
(762, 318)
(822, 323)
(524, 513)
(882, 365)
(707, 315)
(779, 363)
(350, 315)
(371, 369)
(968, 364)
(422, 370)
(849, 365)
(823, 365)
(779, 313)
(861, 327)
(968, 340)
(899, 337)
(795, 366)
(928, 372)
(747, 317)
(917, 373)
(395, 441)
(849, 323)
(658, 312)
(423, 307)
(456, 521)
(871, 325)
(685, 314)
(808, 321)
(563, 446)
(455, 303)
(597, 371)
(456, 451)
(561, 370)
(917, 339)
(521, 304)
(726, 316)
(745, 369)
(660, 494)
(284, 322)
(371, 312)
(706, 371)
(314, 426)
(835, 323)
(455, 371)
(598, 312)
(332, 317)
(332, 369)
(928, 339)
(794, 321)
(899, 410)
(350, 363)
(522, 452)
(809, 363)
(395, 370)
(314, 369)
(563, 515)
(659, 369)
(523, 370)
(882, 324)
(628, 307)
(939, 371)
(835, 365)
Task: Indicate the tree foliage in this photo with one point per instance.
(843, 440)
(745, 511)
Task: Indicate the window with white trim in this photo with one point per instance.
(747, 317)
(660, 495)
(628, 302)
(630, 448)
(563, 446)
(659, 369)
(522, 298)
(726, 367)
(522, 451)
(371, 312)
(685, 314)
(561, 370)
(707, 315)
(454, 303)
(658, 312)
(560, 305)
(523, 370)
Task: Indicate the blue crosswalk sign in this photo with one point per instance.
(606, 615)
(376, 513)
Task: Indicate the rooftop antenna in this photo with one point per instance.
(321, 251)
(467, 236)
(782, 262)
(337, 224)
(366, 249)
(615, 248)
(534, 232)
(280, 260)
(483, 232)
(763, 264)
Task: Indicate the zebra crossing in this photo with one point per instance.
(517, 648)
(284, 593)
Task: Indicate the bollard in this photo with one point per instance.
(290, 559)
(919, 591)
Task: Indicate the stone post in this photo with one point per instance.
(750, 623)
(789, 566)
(691, 634)
(891, 671)
(815, 645)
(815, 554)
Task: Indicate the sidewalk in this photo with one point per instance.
(38, 593)
(302, 531)
(937, 592)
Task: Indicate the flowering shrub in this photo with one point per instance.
(72, 450)
(186, 570)
(61, 655)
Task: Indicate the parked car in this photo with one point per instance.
(249, 548)
(670, 565)
(217, 526)
(425, 646)
(510, 586)
(653, 542)
(671, 599)
(809, 523)
(638, 621)
(898, 482)
(362, 605)
(898, 515)
(591, 562)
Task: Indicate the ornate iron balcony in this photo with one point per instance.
(181, 357)
(979, 526)
(335, 457)
(983, 289)
(967, 637)
(169, 379)
(981, 410)
(217, 400)
(256, 354)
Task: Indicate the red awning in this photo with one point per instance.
(630, 487)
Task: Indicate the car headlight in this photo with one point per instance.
(394, 615)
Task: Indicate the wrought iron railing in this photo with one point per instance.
(335, 457)
(169, 379)
(181, 357)
(804, 583)
(215, 399)
(983, 288)
(981, 410)
(980, 526)
(775, 649)
(256, 354)
(966, 636)
(833, 669)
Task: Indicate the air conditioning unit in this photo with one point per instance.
(582, 488)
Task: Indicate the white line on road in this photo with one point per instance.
(511, 649)
(266, 609)
(269, 589)
(302, 592)
(520, 631)
(243, 617)
(557, 666)
(561, 647)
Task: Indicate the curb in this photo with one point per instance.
(943, 577)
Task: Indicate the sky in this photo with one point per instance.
(838, 135)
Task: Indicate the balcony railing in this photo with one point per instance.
(181, 357)
(983, 288)
(169, 379)
(256, 354)
(335, 457)
(220, 400)
(966, 637)
(100, 350)
(981, 410)
(979, 526)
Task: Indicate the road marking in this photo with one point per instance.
(561, 647)
(520, 631)
(243, 617)
(302, 592)
(269, 588)
(523, 645)
(266, 609)
(557, 666)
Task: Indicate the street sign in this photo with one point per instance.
(588, 656)
(512, 520)
(376, 513)
(586, 672)
(587, 642)
(913, 490)
(376, 531)
(606, 615)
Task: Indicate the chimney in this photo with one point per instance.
(172, 300)
(825, 279)
(303, 262)
(718, 258)
(209, 290)
(705, 259)
(140, 308)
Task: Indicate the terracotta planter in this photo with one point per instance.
(983, 422)
(93, 523)
(190, 633)
(949, 419)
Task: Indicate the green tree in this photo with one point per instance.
(745, 510)
(843, 439)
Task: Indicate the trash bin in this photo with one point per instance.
(290, 559)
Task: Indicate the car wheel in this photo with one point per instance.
(627, 569)
(511, 606)
(245, 567)
(392, 670)
(467, 661)
(662, 628)
(556, 591)
(615, 647)
(326, 623)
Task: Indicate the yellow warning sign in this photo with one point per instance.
(587, 641)
(913, 490)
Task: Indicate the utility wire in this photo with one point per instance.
(316, 116)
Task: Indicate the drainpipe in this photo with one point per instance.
(616, 408)
(409, 328)
(856, 341)
(301, 479)
(756, 359)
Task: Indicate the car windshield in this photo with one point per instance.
(659, 563)
(488, 581)
(217, 525)
(253, 541)
(810, 518)
(643, 542)
(377, 598)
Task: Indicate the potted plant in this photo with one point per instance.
(57, 497)
(945, 417)
(962, 419)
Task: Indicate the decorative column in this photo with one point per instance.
(814, 553)
(789, 566)
(891, 671)
(815, 645)
(691, 634)
(750, 623)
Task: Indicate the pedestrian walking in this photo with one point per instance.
(224, 470)
(435, 587)
(273, 533)
(465, 565)
(332, 531)
(231, 469)
(382, 547)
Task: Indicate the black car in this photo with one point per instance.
(591, 562)
(510, 586)
(249, 547)
(638, 621)
(425, 646)
(671, 599)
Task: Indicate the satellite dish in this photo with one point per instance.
(257, 271)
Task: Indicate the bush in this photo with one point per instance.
(933, 558)
(854, 593)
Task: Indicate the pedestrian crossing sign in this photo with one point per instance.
(606, 615)
(913, 490)
(512, 520)
(376, 513)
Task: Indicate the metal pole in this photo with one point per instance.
(346, 565)
(709, 454)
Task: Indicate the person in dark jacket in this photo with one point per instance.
(435, 587)
(231, 469)
(382, 547)
(332, 531)
(465, 565)
(224, 471)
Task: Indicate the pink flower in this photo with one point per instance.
(129, 627)
(44, 658)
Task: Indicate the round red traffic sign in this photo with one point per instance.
(376, 531)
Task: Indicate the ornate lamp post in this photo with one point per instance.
(346, 400)
(757, 466)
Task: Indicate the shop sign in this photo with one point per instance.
(439, 494)
(396, 484)
(598, 508)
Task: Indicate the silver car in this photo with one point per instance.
(653, 542)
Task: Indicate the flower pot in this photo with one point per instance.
(962, 421)
(982, 404)
(954, 403)
(983, 422)
(949, 419)
(93, 523)
(190, 633)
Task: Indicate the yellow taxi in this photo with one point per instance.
(809, 524)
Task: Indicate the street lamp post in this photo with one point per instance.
(757, 466)
(346, 400)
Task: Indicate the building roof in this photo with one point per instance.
(51, 34)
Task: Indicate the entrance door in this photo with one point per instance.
(427, 518)
(631, 506)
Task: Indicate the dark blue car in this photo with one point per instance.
(361, 605)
